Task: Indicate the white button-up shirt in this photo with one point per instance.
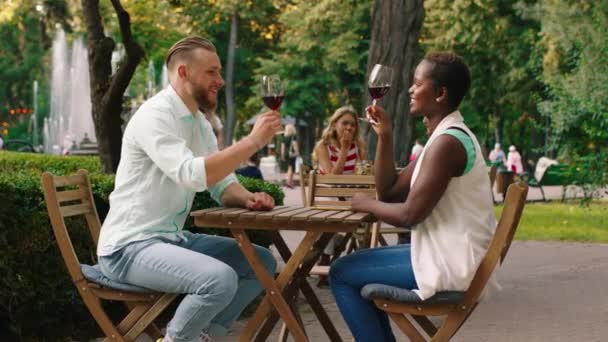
(162, 166)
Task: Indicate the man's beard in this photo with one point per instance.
(201, 96)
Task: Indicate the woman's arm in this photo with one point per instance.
(445, 159)
(325, 162)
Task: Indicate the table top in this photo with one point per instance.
(283, 218)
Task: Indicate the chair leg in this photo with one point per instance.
(382, 240)
(154, 332)
(451, 324)
(407, 327)
(425, 324)
(542, 192)
(102, 319)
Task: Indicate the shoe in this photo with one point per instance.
(204, 337)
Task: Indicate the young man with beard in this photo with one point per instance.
(169, 153)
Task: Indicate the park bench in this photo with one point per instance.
(556, 174)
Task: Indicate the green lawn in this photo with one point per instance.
(563, 221)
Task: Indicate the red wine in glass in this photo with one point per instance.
(378, 92)
(273, 101)
(271, 91)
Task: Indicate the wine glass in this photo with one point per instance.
(271, 91)
(378, 84)
(379, 81)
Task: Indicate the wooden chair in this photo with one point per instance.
(336, 191)
(455, 305)
(67, 196)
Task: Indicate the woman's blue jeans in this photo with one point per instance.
(384, 265)
(211, 270)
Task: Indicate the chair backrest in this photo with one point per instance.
(499, 246)
(304, 174)
(336, 191)
(67, 196)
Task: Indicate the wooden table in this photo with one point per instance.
(319, 225)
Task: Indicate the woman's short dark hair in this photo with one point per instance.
(450, 70)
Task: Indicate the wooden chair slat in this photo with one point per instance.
(70, 195)
(76, 209)
(341, 192)
(345, 179)
(61, 181)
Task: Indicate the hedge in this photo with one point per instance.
(38, 302)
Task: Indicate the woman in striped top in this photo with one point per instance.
(340, 146)
(337, 153)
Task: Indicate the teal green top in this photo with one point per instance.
(467, 142)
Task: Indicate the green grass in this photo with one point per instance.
(563, 222)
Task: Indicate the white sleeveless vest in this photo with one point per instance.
(448, 246)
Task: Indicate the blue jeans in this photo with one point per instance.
(390, 265)
(211, 270)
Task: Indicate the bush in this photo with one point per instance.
(37, 298)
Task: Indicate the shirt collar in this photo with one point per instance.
(181, 110)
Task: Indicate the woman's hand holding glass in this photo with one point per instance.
(383, 124)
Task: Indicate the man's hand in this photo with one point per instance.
(259, 201)
(360, 202)
(265, 127)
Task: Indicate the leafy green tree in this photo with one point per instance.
(321, 55)
(499, 46)
(574, 49)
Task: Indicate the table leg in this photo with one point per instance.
(274, 288)
(304, 286)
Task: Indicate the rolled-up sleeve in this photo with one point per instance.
(217, 189)
(158, 138)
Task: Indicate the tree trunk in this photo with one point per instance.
(107, 90)
(396, 28)
(230, 107)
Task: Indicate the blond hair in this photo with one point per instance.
(182, 50)
(330, 136)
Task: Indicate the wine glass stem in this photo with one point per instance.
(374, 103)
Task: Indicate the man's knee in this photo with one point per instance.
(221, 282)
(337, 267)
